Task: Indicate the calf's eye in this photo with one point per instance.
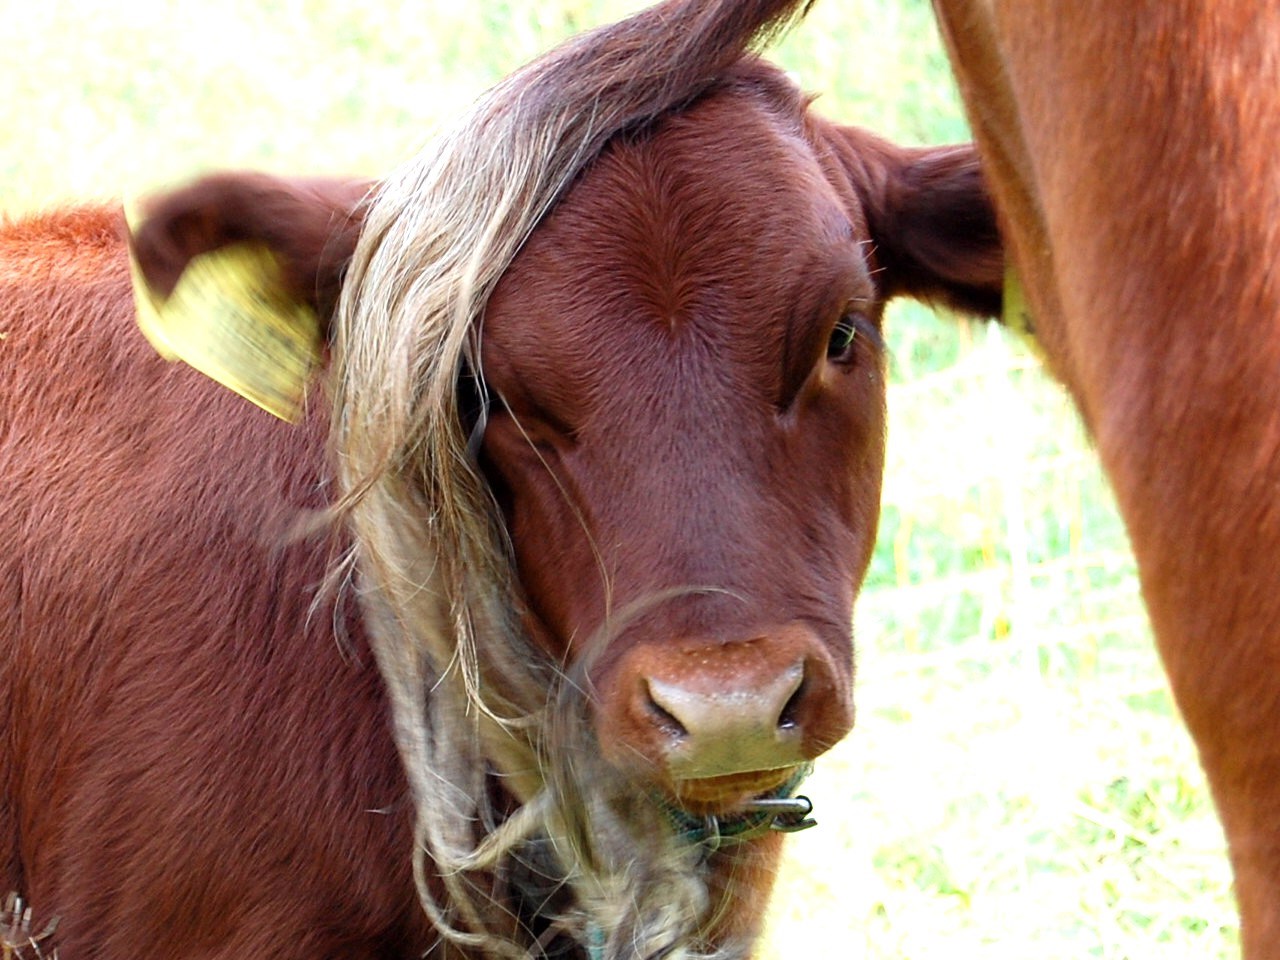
(842, 346)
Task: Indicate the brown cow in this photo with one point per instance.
(1132, 149)
(570, 531)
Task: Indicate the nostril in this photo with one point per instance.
(728, 719)
(701, 710)
(665, 718)
(789, 717)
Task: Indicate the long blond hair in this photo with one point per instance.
(470, 695)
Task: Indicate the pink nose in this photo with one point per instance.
(696, 710)
(730, 730)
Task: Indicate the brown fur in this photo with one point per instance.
(1132, 151)
(200, 758)
(176, 722)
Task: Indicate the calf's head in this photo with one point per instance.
(685, 381)
(688, 434)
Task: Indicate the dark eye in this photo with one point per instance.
(843, 345)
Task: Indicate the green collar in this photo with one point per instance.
(778, 810)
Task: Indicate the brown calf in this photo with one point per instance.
(569, 534)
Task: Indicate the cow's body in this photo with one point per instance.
(1132, 151)
(186, 740)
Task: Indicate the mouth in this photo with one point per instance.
(742, 806)
(717, 796)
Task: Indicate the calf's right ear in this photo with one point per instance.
(238, 275)
(932, 221)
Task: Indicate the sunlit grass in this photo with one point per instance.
(1018, 784)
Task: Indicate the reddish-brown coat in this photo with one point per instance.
(189, 759)
(192, 764)
(1131, 148)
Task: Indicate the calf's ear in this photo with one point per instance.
(932, 221)
(238, 274)
(310, 225)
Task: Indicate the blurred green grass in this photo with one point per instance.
(1018, 783)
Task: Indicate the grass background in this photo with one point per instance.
(1018, 784)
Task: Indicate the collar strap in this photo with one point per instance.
(779, 810)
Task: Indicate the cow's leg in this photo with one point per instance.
(1170, 354)
(1255, 855)
(1226, 693)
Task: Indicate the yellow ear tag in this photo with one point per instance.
(230, 317)
(1016, 316)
